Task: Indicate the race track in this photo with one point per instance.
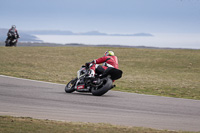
(21, 97)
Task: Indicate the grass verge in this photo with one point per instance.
(164, 72)
(10, 124)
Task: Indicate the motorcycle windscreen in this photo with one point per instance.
(113, 72)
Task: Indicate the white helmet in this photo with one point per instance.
(13, 27)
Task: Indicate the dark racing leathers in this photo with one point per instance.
(12, 33)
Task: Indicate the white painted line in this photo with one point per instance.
(30, 80)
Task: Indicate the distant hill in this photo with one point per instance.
(90, 33)
(49, 32)
(25, 37)
(29, 36)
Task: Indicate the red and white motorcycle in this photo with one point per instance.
(98, 85)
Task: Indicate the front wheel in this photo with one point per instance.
(105, 87)
(15, 44)
(69, 88)
(7, 44)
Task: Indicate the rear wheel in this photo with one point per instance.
(105, 87)
(69, 88)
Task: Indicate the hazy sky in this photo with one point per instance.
(111, 16)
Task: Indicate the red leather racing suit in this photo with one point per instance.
(108, 61)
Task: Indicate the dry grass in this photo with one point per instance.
(172, 73)
(28, 125)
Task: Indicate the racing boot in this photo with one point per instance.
(113, 86)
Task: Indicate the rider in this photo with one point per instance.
(109, 60)
(12, 32)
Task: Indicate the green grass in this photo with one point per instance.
(28, 125)
(164, 72)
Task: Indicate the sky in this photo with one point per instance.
(109, 16)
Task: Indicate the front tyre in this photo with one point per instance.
(7, 44)
(69, 88)
(15, 44)
(105, 87)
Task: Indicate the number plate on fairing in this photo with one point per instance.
(80, 87)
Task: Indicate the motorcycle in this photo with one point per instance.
(97, 85)
(12, 40)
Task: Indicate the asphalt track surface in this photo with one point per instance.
(43, 100)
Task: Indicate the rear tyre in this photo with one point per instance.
(105, 87)
(69, 88)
